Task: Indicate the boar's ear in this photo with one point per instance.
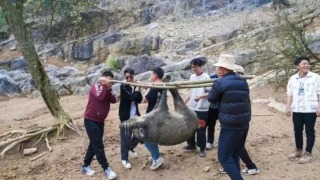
(163, 101)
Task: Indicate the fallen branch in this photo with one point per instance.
(37, 157)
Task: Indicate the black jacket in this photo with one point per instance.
(232, 93)
(126, 97)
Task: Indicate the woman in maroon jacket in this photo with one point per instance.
(100, 97)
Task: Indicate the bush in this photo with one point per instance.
(114, 63)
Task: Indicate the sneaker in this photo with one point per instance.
(209, 146)
(132, 154)
(202, 153)
(109, 173)
(306, 158)
(251, 171)
(156, 163)
(296, 154)
(189, 148)
(222, 171)
(87, 170)
(126, 164)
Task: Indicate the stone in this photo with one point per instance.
(8, 87)
(13, 48)
(30, 151)
(206, 169)
(5, 64)
(143, 64)
(112, 37)
(66, 71)
(19, 63)
(93, 78)
(77, 82)
(146, 45)
(94, 69)
(19, 75)
(146, 16)
(82, 51)
(51, 69)
(26, 86)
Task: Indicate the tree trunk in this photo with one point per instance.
(14, 16)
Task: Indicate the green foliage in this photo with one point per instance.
(114, 63)
(4, 34)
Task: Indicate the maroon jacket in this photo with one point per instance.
(99, 103)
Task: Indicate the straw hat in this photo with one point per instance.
(227, 61)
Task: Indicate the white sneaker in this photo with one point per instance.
(88, 171)
(251, 171)
(209, 146)
(132, 154)
(110, 174)
(156, 163)
(126, 164)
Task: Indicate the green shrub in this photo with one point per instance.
(114, 63)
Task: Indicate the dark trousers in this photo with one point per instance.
(201, 132)
(308, 120)
(230, 144)
(244, 156)
(95, 134)
(128, 142)
(211, 124)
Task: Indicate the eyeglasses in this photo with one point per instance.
(127, 77)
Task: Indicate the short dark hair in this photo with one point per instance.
(301, 58)
(108, 73)
(128, 70)
(159, 72)
(198, 62)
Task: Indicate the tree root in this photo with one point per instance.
(16, 137)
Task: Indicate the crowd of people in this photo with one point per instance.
(228, 100)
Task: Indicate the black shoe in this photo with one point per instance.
(189, 148)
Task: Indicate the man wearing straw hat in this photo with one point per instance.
(232, 94)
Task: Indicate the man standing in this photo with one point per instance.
(303, 92)
(100, 97)
(129, 100)
(232, 94)
(199, 105)
(151, 97)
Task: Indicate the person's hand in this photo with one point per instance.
(318, 112)
(106, 81)
(197, 98)
(202, 123)
(288, 111)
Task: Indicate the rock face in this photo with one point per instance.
(162, 126)
(18, 63)
(82, 51)
(143, 63)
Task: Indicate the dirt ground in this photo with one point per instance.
(269, 142)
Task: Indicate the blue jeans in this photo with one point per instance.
(230, 144)
(153, 149)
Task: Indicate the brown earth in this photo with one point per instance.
(269, 142)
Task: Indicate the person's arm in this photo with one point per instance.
(99, 91)
(110, 96)
(201, 97)
(214, 95)
(145, 100)
(289, 97)
(318, 94)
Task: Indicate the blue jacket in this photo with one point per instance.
(232, 93)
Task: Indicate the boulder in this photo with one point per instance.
(8, 86)
(94, 69)
(67, 71)
(143, 63)
(51, 69)
(112, 37)
(19, 63)
(26, 86)
(19, 75)
(146, 16)
(93, 78)
(82, 51)
(77, 82)
(29, 151)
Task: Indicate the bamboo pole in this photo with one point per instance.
(177, 84)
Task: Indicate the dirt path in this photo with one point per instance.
(270, 140)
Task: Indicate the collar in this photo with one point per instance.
(309, 74)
